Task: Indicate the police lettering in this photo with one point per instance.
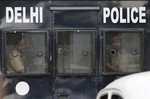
(133, 15)
(18, 15)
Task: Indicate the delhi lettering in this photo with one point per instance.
(19, 15)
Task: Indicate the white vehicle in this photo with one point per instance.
(135, 86)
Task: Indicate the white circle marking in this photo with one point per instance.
(22, 88)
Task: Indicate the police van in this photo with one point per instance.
(70, 49)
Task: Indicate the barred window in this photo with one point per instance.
(75, 52)
(123, 51)
(26, 52)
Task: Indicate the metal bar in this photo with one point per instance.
(75, 8)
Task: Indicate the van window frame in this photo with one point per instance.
(104, 31)
(94, 51)
(47, 39)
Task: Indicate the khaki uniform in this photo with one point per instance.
(116, 60)
(122, 60)
(15, 62)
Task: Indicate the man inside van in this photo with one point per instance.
(119, 59)
(114, 56)
(15, 62)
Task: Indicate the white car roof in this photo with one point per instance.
(135, 86)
